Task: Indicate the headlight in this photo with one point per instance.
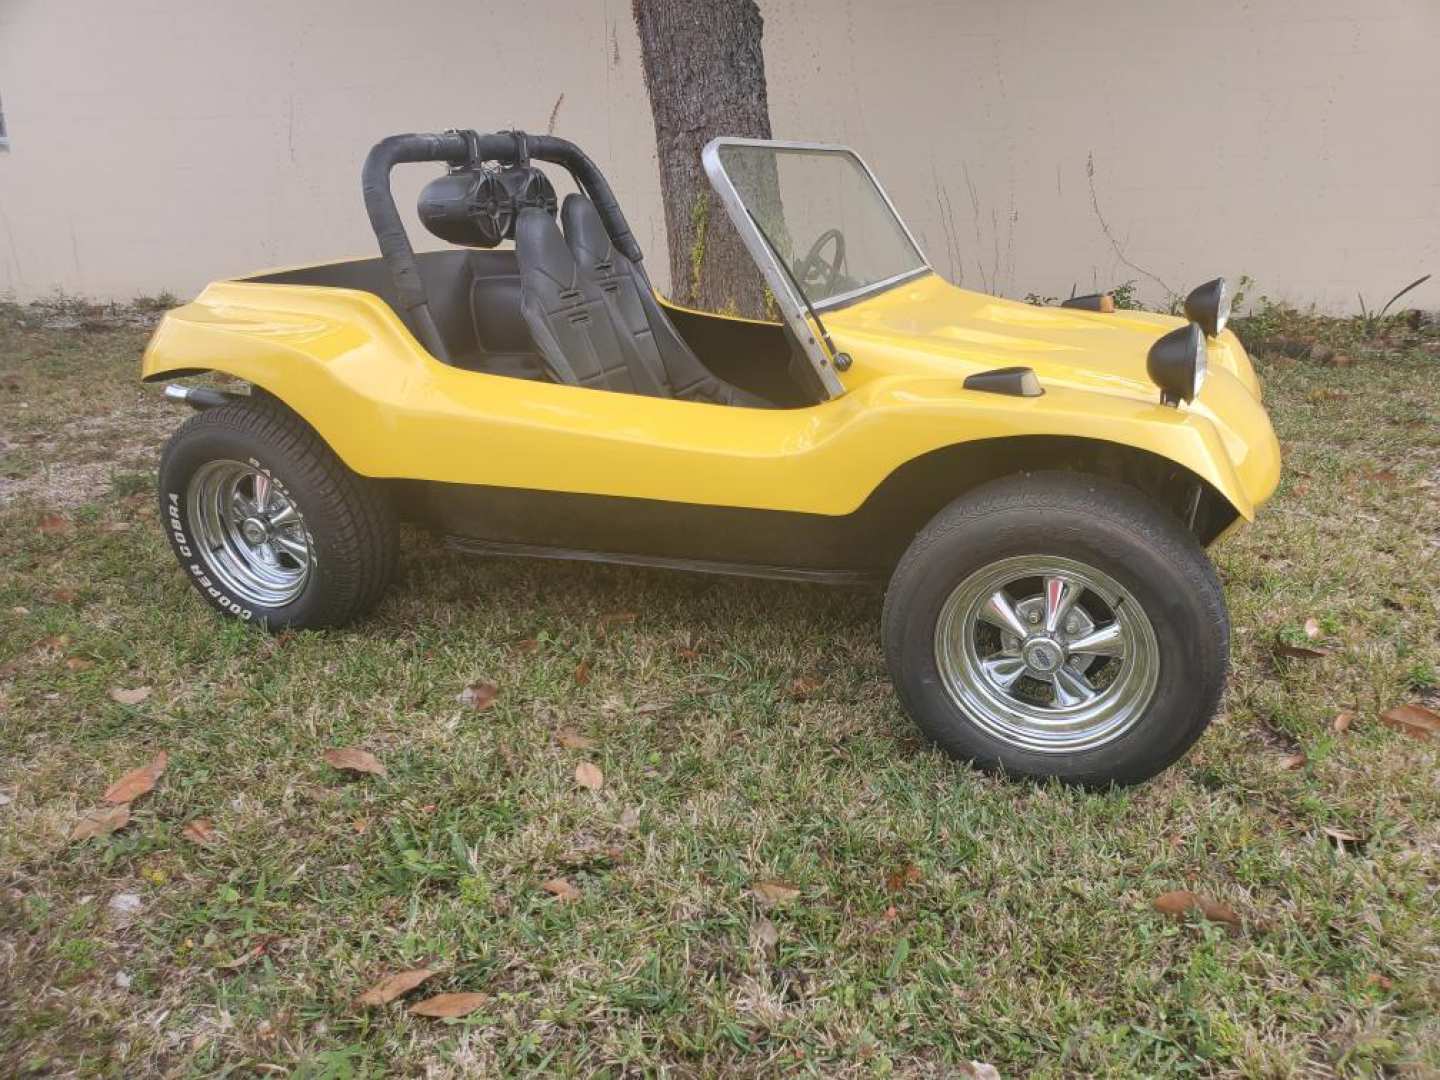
(1177, 364)
(1209, 305)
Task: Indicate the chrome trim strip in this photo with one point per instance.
(840, 299)
(792, 307)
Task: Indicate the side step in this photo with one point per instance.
(472, 546)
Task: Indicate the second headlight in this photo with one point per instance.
(1209, 305)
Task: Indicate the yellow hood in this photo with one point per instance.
(930, 327)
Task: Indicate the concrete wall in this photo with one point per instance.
(1032, 144)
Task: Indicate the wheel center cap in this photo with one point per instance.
(254, 530)
(1042, 655)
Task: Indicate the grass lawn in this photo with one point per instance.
(746, 733)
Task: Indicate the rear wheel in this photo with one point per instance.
(268, 523)
(1058, 625)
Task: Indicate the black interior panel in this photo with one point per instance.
(758, 356)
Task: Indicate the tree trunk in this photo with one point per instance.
(705, 71)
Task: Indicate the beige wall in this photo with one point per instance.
(156, 145)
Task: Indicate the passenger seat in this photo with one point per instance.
(568, 317)
(587, 314)
(638, 315)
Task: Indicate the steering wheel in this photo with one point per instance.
(816, 269)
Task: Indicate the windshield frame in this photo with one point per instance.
(795, 308)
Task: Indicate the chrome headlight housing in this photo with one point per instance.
(1209, 305)
(1177, 364)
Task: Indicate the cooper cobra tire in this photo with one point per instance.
(990, 680)
(268, 524)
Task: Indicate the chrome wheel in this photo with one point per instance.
(1047, 654)
(249, 533)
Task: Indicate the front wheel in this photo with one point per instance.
(269, 525)
(1058, 625)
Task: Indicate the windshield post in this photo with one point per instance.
(809, 308)
(830, 235)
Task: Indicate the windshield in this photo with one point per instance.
(823, 216)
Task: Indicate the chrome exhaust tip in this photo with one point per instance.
(197, 397)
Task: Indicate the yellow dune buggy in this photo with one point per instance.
(1036, 485)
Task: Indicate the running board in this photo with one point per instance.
(472, 546)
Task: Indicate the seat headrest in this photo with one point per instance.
(585, 232)
(539, 245)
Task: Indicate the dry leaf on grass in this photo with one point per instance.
(480, 695)
(199, 831)
(765, 935)
(615, 618)
(804, 687)
(101, 822)
(582, 673)
(1340, 836)
(53, 524)
(1312, 629)
(1342, 722)
(78, 663)
(248, 956)
(526, 646)
(1300, 652)
(138, 781)
(129, 697)
(388, 989)
(897, 880)
(361, 761)
(1177, 903)
(448, 1005)
(561, 889)
(588, 775)
(1293, 761)
(775, 892)
(573, 740)
(979, 1070)
(64, 596)
(1414, 720)
(629, 818)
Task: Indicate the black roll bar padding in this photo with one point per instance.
(395, 246)
(592, 181)
(459, 148)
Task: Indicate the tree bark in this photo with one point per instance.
(705, 72)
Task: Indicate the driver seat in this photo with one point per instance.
(589, 322)
(568, 318)
(638, 315)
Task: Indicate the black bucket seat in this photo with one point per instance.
(594, 319)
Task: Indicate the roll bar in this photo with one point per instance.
(462, 148)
